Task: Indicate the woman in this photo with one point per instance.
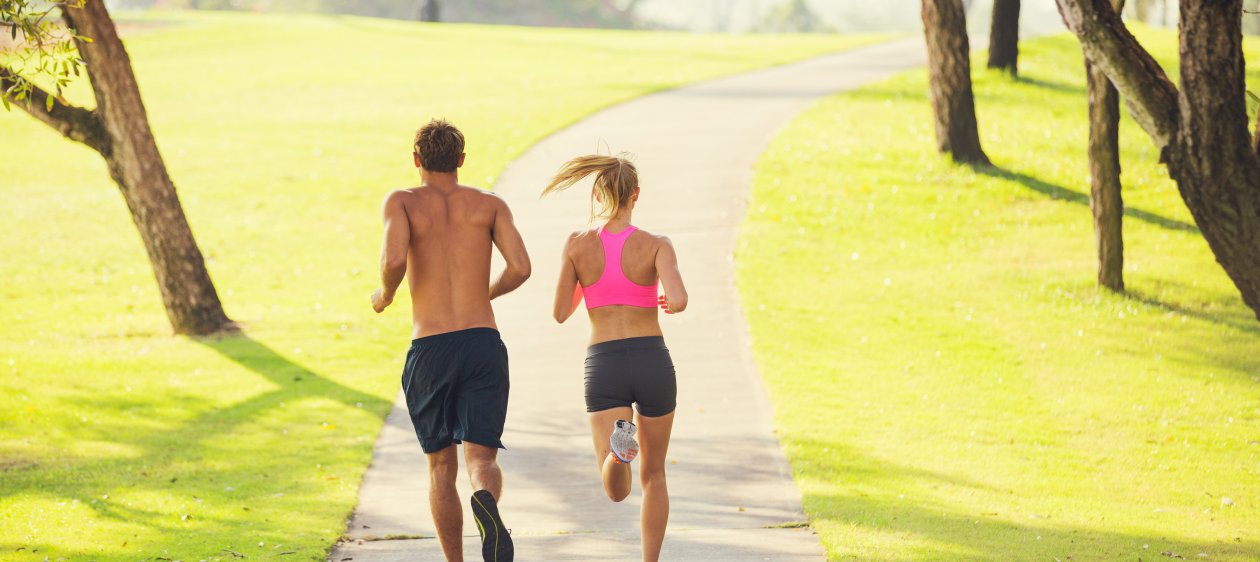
(616, 268)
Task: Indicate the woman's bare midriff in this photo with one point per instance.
(618, 322)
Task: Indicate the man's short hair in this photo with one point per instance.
(439, 145)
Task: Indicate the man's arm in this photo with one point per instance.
(508, 240)
(394, 250)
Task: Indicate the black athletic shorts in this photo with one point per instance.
(456, 385)
(634, 370)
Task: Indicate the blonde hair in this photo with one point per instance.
(615, 182)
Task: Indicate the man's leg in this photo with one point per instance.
(481, 400)
(487, 480)
(483, 468)
(448, 515)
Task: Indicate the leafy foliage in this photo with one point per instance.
(38, 46)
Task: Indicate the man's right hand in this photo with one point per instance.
(380, 300)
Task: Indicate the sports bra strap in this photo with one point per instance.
(613, 287)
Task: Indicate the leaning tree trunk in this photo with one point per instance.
(1105, 199)
(1201, 131)
(1004, 36)
(949, 64)
(119, 130)
(1216, 169)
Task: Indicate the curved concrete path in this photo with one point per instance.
(732, 494)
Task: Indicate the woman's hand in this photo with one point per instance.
(664, 304)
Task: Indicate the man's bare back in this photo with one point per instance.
(455, 378)
(449, 230)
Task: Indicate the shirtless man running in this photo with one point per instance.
(456, 375)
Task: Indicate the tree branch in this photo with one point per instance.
(75, 123)
(1150, 96)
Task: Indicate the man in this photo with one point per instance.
(456, 375)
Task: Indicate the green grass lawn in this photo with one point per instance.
(953, 386)
(121, 442)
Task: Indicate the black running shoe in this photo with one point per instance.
(496, 542)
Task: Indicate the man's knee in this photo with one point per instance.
(480, 457)
(444, 467)
(481, 466)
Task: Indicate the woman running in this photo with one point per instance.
(616, 268)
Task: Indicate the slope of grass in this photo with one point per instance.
(120, 442)
(948, 382)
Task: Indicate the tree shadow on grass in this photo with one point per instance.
(294, 380)
(1064, 194)
(1000, 537)
(1238, 322)
(257, 473)
(911, 503)
(1052, 86)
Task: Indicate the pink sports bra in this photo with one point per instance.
(613, 287)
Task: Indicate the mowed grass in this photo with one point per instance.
(119, 441)
(948, 382)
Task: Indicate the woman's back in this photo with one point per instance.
(621, 297)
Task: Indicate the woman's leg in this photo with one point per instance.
(616, 476)
(653, 448)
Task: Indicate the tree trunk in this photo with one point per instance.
(1216, 170)
(1004, 36)
(1201, 131)
(192, 305)
(428, 10)
(1142, 10)
(949, 64)
(1104, 174)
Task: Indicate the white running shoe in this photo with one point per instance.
(624, 447)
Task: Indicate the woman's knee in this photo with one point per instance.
(617, 496)
(652, 476)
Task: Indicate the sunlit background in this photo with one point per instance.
(1040, 16)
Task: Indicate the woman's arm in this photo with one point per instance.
(568, 290)
(675, 298)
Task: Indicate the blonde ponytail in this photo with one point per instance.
(615, 182)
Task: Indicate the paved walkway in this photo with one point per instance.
(732, 494)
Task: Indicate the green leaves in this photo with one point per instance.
(44, 49)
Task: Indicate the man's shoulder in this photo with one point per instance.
(401, 194)
(400, 199)
(483, 196)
